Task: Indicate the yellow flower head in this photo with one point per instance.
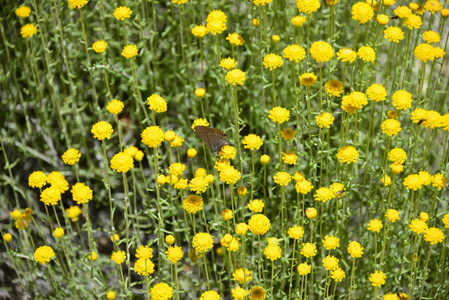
(210, 295)
(290, 158)
(376, 92)
(338, 189)
(288, 134)
(115, 106)
(431, 37)
(157, 103)
(122, 13)
(235, 39)
(279, 114)
(236, 76)
(330, 262)
(102, 130)
(355, 249)
(391, 127)
(144, 267)
(227, 152)
(382, 19)
(334, 87)
(362, 12)
(122, 162)
(256, 205)
(152, 136)
(324, 120)
(308, 250)
(199, 31)
(331, 242)
(346, 55)
(272, 61)
(394, 34)
(162, 291)
(77, 3)
(439, 181)
(265, 159)
(348, 155)
(323, 194)
(229, 175)
(308, 6)
(321, 51)
(433, 235)
(130, 51)
(259, 224)
(367, 54)
(425, 52)
(303, 187)
(272, 252)
(311, 213)
(50, 196)
(71, 156)
(403, 12)
(298, 21)
(412, 22)
(37, 179)
(216, 15)
(397, 155)
(239, 293)
(392, 215)
(216, 26)
(228, 63)
(377, 278)
(307, 79)
(174, 254)
(433, 6)
(282, 178)
(43, 254)
(375, 225)
(418, 226)
(73, 213)
(99, 46)
(261, 2)
(304, 269)
(252, 142)
(81, 193)
(296, 232)
(23, 11)
(144, 251)
(338, 274)
(412, 182)
(202, 242)
(402, 100)
(198, 185)
(294, 53)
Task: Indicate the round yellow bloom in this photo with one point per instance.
(122, 162)
(200, 93)
(304, 269)
(386, 180)
(235, 39)
(279, 114)
(367, 54)
(242, 191)
(58, 232)
(239, 293)
(391, 127)
(294, 53)
(311, 213)
(256, 205)
(282, 178)
(37, 179)
(338, 189)
(265, 159)
(193, 204)
(418, 226)
(433, 6)
(298, 21)
(424, 216)
(403, 12)
(130, 51)
(307, 79)
(99, 46)
(288, 134)
(439, 181)
(348, 155)
(376, 92)
(272, 252)
(144, 267)
(346, 55)
(93, 256)
(331, 242)
(431, 37)
(162, 291)
(388, 3)
(308, 6)
(382, 19)
(241, 228)
(324, 120)
(252, 142)
(355, 249)
(23, 12)
(412, 22)
(425, 177)
(394, 34)
(303, 187)
(77, 3)
(445, 12)
(321, 51)
(397, 168)
(170, 239)
(191, 152)
(362, 12)
(216, 26)
(412, 182)
(334, 88)
(323, 194)
(58, 181)
(433, 235)
(174, 254)
(115, 106)
(424, 52)
(73, 213)
(157, 103)
(338, 274)
(308, 250)
(439, 53)
(202, 242)
(216, 15)
(402, 100)
(446, 220)
(377, 278)
(330, 262)
(296, 232)
(152, 136)
(43, 254)
(259, 224)
(7, 237)
(50, 196)
(289, 158)
(122, 13)
(227, 152)
(81, 193)
(236, 76)
(272, 61)
(228, 63)
(397, 155)
(210, 295)
(102, 130)
(199, 31)
(71, 156)
(375, 225)
(392, 215)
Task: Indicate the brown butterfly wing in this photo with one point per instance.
(213, 138)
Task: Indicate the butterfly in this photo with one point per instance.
(214, 138)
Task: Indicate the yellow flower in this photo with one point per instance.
(324, 120)
(321, 51)
(298, 21)
(338, 274)
(73, 213)
(157, 103)
(304, 269)
(228, 63)
(296, 232)
(376, 92)
(348, 155)
(210, 295)
(23, 11)
(282, 178)
(58, 181)
(290, 158)
(37, 179)
(216, 15)
(412, 182)
(288, 134)
(227, 152)
(403, 12)
(294, 53)
(200, 93)
(445, 12)
(239, 293)
(179, 2)
(272, 252)
(307, 79)
(163, 291)
(81, 193)
(433, 235)
(392, 215)
(130, 51)
(311, 213)
(446, 220)
(330, 262)
(152, 136)
(412, 22)
(417, 226)
(375, 225)
(259, 224)
(391, 127)
(50, 196)
(272, 61)
(199, 31)
(308, 6)
(303, 187)
(334, 88)
(71, 156)
(397, 155)
(394, 34)
(43, 254)
(323, 194)
(338, 189)
(122, 13)
(198, 185)
(439, 52)
(402, 100)
(433, 6)
(115, 106)
(377, 278)
(144, 267)
(424, 216)
(431, 37)
(216, 26)
(331, 242)
(202, 242)
(362, 12)
(144, 251)
(367, 54)
(191, 152)
(256, 205)
(235, 39)
(346, 55)
(279, 114)
(261, 2)
(241, 228)
(122, 162)
(77, 3)
(424, 52)
(355, 249)
(252, 142)
(58, 232)
(102, 130)
(257, 292)
(382, 19)
(131, 150)
(439, 181)
(425, 177)
(174, 254)
(227, 214)
(308, 250)
(236, 76)
(7, 237)
(99, 46)
(265, 159)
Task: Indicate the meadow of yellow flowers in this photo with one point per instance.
(199, 149)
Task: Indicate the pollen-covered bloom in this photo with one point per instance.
(290, 158)
(394, 34)
(377, 278)
(115, 106)
(417, 226)
(37, 179)
(375, 225)
(279, 114)
(199, 31)
(157, 103)
(334, 88)
(23, 12)
(331, 242)
(198, 185)
(71, 156)
(118, 257)
(152, 136)
(346, 55)
(174, 254)
(307, 79)
(228, 63)
(296, 232)
(323, 194)
(122, 13)
(43, 254)
(391, 127)
(348, 155)
(130, 51)
(308, 6)
(304, 269)
(402, 100)
(308, 250)
(294, 53)
(424, 52)
(431, 37)
(397, 155)
(413, 182)
(77, 3)
(367, 54)
(272, 252)
(376, 92)
(202, 242)
(324, 120)
(102, 130)
(235, 39)
(392, 215)
(256, 205)
(122, 162)
(355, 249)
(99, 46)
(252, 142)
(321, 51)
(259, 224)
(227, 152)
(144, 267)
(50, 196)
(330, 262)
(272, 61)
(282, 178)
(161, 291)
(433, 235)
(81, 193)
(362, 12)
(236, 76)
